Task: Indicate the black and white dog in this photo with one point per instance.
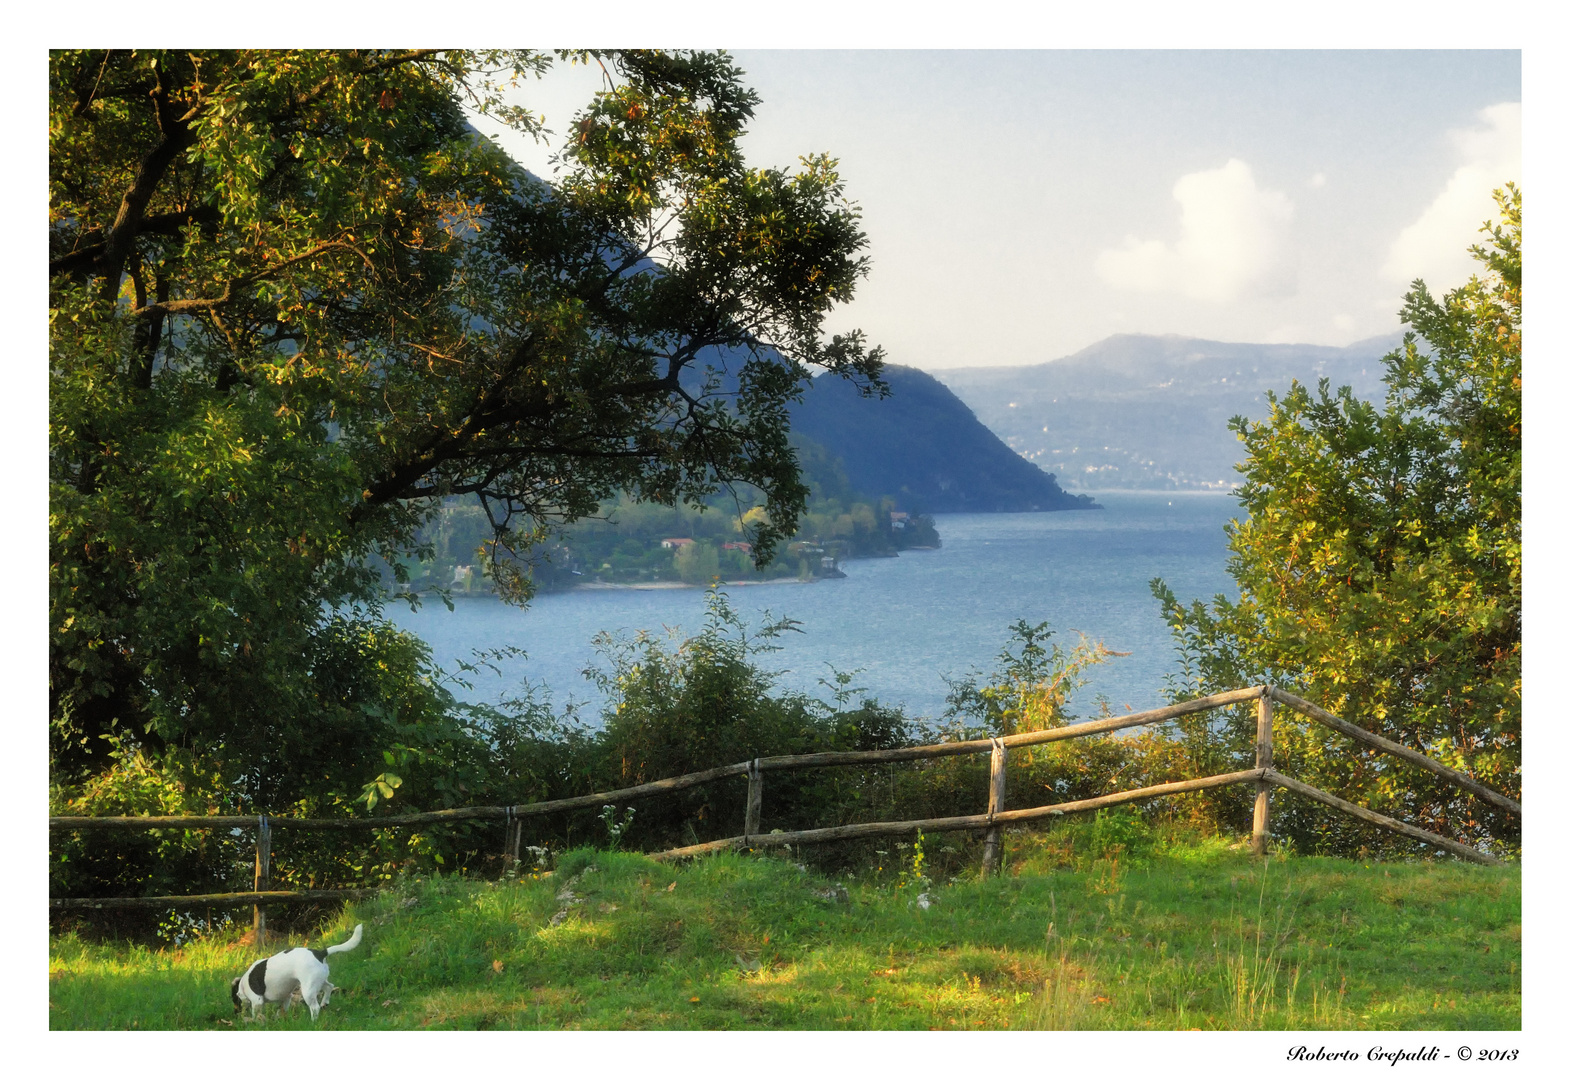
(297, 972)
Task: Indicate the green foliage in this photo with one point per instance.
(700, 703)
(1030, 688)
(168, 861)
(1120, 829)
(622, 542)
(697, 563)
(1380, 570)
(295, 304)
(382, 786)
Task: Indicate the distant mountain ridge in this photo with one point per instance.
(923, 446)
(1147, 412)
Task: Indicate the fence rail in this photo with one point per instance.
(1263, 777)
(230, 899)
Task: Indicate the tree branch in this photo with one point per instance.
(178, 137)
(156, 225)
(188, 307)
(443, 445)
(85, 100)
(411, 56)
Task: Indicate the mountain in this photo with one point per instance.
(922, 445)
(1144, 412)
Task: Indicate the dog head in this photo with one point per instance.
(234, 993)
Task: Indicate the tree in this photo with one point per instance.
(1380, 564)
(697, 563)
(296, 301)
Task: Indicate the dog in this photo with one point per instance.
(282, 977)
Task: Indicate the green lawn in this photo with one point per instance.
(1193, 937)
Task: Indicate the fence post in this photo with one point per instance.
(755, 799)
(1262, 761)
(264, 857)
(991, 847)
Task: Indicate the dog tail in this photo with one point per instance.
(351, 943)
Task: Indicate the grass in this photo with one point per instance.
(1196, 936)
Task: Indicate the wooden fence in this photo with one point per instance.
(1262, 777)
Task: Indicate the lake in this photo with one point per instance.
(903, 624)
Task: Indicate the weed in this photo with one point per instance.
(613, 828)
(915, 876)
(1253, 965)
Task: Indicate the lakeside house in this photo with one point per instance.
(676, 543)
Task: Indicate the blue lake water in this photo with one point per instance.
(904, 623)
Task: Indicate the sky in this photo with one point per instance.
(1021, 205)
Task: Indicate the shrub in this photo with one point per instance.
(705, 702)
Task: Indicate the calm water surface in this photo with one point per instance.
(908, 622)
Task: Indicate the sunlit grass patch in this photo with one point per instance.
(1139, 940)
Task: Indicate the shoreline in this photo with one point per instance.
(601, 585)
(604, 586)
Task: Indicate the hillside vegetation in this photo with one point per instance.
(1081, 931)
(923, 446)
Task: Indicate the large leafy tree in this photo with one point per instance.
(1380, 564)
(296, 301)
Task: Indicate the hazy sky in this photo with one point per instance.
(1022, 205)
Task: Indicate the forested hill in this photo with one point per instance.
(924, 447)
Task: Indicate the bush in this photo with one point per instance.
(706, 702)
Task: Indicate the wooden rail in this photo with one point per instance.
(1263, 777)
(434, 817)
(1412, 757)
(1365, 814)
(231, 899)
(956, 824)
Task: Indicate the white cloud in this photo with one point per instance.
(1435, 246)
(1231, 239)
(1318, 180)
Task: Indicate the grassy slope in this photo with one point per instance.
(1193, 938)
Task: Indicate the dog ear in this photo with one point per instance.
(234, 992)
